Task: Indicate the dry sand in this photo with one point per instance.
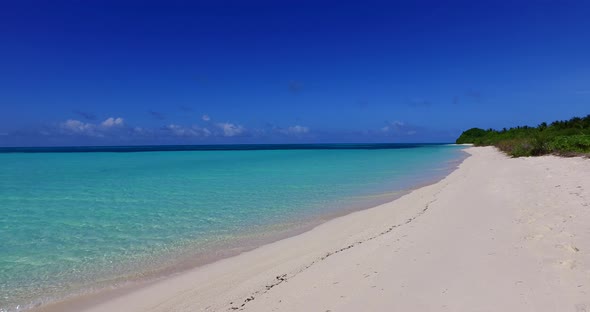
(497, 234)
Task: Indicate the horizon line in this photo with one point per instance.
(209, 147)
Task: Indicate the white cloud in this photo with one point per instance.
(399, 128)
(112, 122)
(393, 126)
(73, 126)
(297, 129)
(193, 131)
(230, 129)
(176, 129)
(205, 117)
(76, 125)
(140, 131)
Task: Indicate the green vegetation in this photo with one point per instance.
(566, 138)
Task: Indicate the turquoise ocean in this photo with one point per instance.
(78, 220)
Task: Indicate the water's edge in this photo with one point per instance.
(117, 288)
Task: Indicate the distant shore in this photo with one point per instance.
(496, 234)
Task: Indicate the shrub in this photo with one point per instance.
(567, 137)
(471, 136)
(575, 143)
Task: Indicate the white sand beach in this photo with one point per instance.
(497, 234)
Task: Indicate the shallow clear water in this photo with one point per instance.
(70, 221)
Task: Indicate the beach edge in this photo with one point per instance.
(275, 274)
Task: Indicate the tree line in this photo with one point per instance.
(562, 137)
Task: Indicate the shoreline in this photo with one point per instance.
(488, 236)
(189, 261)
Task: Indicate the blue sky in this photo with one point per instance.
(190, 72)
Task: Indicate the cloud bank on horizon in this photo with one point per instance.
(176, 72)
(114, 130)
